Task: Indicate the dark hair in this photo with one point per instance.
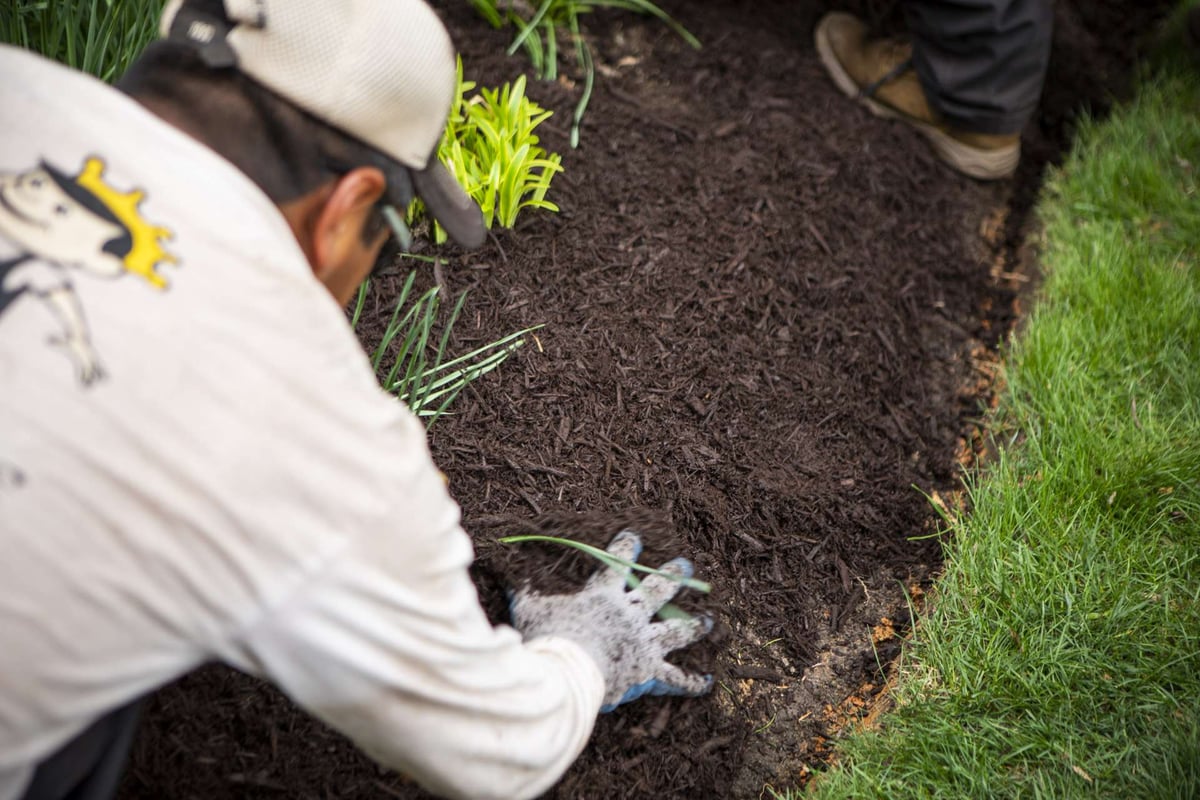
(286, 151)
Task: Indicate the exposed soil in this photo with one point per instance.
(771, 324)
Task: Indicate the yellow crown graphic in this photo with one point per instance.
(146, 252)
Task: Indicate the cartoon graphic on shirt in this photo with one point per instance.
(61, 223)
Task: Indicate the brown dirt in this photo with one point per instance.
(771, 323)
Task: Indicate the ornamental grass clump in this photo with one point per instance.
(409, 364)
(490, 146)
(538, 32)
(100, 37)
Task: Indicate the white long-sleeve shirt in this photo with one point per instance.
(196, 462)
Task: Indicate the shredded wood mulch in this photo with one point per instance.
(771, 325)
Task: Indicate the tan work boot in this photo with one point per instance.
(879, 74)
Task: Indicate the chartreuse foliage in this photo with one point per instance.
(1060, 654)
(490, 146)
(538, 31)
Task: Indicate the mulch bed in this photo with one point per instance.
(771, 324)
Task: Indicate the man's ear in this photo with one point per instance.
(338, 228)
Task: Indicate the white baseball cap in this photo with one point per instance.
(382, 71)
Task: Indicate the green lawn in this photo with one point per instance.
(1060, 655)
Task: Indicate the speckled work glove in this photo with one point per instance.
(614, 624)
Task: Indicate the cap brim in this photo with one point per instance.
(447, 203)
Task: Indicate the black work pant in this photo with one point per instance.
(89, 766)
(981, 62)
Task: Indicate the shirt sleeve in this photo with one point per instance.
(388, 643)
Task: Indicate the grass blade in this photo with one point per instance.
(609, 559)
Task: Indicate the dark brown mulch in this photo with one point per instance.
(770, 321)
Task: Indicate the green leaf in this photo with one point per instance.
(609, 559)
(419, 373)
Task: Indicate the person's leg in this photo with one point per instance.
(89, 766)
(969, 98)
(981, 62)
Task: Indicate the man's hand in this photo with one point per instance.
(613, 623)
